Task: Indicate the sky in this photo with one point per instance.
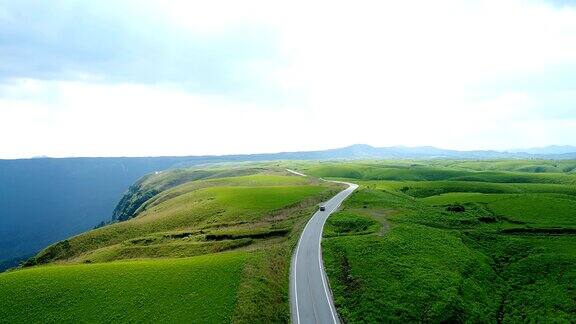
(154, 77)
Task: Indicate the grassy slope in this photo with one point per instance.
(196, 206)
(536, 210)
(421, 172)
(173, 290)
(496, 261)
(258, 215)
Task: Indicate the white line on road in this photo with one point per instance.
(320, 263)
(296, 281)
(322, 274)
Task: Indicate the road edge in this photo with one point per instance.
(293, 263)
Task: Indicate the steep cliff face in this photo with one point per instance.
(46, 200)
(133, 198)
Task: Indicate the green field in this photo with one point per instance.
(205, 245)
(200, 289)
(453, 241)
(432, 171)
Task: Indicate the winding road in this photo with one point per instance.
(310, 295)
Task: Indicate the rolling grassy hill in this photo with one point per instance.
(437, 170)
(44, 200)
(419, 241)
(211, 245)
(422, 242)
(170, 290)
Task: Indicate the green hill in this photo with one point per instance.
(199, 289)
(49, 199)
(149, 186)
(443, 170)
(453, 241)
(218, 239)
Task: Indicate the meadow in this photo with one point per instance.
(199, 289)
(453, 241)
(210, 245)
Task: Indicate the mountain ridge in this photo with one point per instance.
(359, 150)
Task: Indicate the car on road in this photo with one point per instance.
(322, 208)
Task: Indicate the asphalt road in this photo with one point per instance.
(310, 296)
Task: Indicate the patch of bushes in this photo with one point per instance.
(344, 223)
(456, 208)
(532, 230)
(131, 201)
(55, 251)
(178, 235)
(488, 219)
(253, 235)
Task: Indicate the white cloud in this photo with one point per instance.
(382, 73)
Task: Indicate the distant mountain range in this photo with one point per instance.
(360, 151)
(547, 150)
(43, 200)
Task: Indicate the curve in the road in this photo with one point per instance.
(310, 296)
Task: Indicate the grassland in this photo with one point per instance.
(199, 289)
(181, 220)
(419, 241)
(453, 241)
(197, 245)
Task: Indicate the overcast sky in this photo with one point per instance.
(142, 78)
